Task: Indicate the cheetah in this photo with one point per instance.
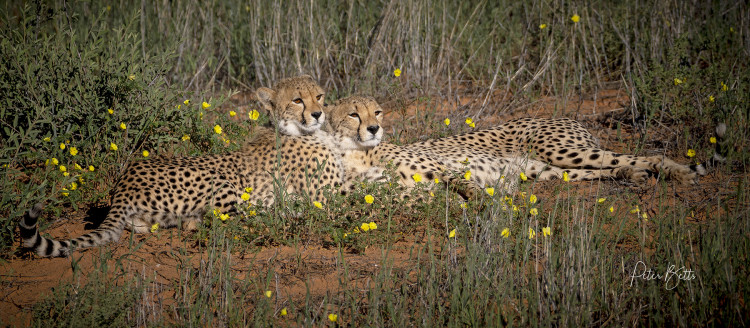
(545, 149)
(303, 115)
(368, 161)
(167, 192)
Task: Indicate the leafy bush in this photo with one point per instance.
(78, 106)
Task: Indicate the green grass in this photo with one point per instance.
(683, 65)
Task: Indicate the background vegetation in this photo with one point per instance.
(65, 65)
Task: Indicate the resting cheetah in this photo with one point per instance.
(368, 161)
(303, 115)
(172, 191)
(545, 148)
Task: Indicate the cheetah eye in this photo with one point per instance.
(377, 113)
(354, 115)
(297, 101)
(318, 97)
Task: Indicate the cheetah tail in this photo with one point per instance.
(720, 150)
(34, 241)
(45, 247)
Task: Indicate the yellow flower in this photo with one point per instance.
(123, 126)
(364, 226)
(110, 111)
(131, 77)
(437, 180)
(154, 227)
(523, 176)
(533, 211)
(356, 230)
(712, 140)
(724, 87)
(452, 233)
(332, 317)
(397, 72)
(186, 102)
(62, 168)
(369, 199)
(145, 153)
(224, 217)
(318, 204)
(252, 213)
(635, 210)
(645, 216)
(112, 146)
(205, 105)
(472, 125)
(467, 175)
(464, 206)
(447, 121)
(91, 168)
(80, 179)
(77, 167)
(469, 120)
(232, 113)
(546, 231)
(47, 139)
(62, 146)
(532, 199)
(432, 194)
(55, 161)
(185, 137)
(601, 200)
(245, 196)
(73, 151)
(677, 81)
(575, 18)
(532, 233)
(268, 293)
(248, 189)
(217, 129)
(200, 116)
(283, 312)
(417, 177)
(691, 153)
(711, 98)
(505, 233)
(373, 225)
(65, 174)
(566, 178)
(490, 191)
(542, 26)
(73, 186)
(253, 114)
(64, 192)
(515, 208)
(611, 209)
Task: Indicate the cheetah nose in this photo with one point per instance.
(316, 115)
(373, 128)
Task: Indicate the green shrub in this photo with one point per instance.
(79, 105)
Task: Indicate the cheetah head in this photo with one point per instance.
(355, 122)
(295, 105)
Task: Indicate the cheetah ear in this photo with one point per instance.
(265, 96)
